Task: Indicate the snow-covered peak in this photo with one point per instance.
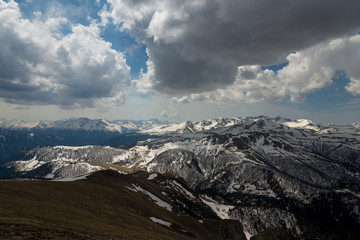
(302, 123)
(190, 127)
(166, 129)
(253, 125)
(356, 124)
(139, 124)
(44, 125)
(16, 124)
(229, 124)
(216, 123)
(298, 123)
(235, 125)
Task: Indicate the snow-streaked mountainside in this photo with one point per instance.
(160, 127)
(268, 173)
(238, 138)
(224, 122)
(189, 127)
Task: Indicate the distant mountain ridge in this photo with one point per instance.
(83, 124)
(160, 127)
(17, 134)
(224, 122)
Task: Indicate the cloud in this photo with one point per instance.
(307, 71)
(252, 84)
(196, 46)
(184, 99)
(132, 48)
(353, 87)
(41, 65)
(169, 114)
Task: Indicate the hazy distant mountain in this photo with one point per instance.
(270, 174)
(16, 134)
(83, 124)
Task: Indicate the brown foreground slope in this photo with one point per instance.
(105, 206)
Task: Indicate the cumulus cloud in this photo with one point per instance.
(184, 99)
(354, 86)
(40, 65)
(307, 71)
(196, 46)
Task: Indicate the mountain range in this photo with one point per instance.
(83, 124)
(293, 179)
(16, 134)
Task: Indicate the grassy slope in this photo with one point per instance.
(100, 207)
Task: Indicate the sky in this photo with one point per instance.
(180, 60)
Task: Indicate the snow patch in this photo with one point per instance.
(248, 235)
(302, 123)
(28, 165)
(345, 190)
(72, 179)
(152, 176)
(125, 155)
(220, 209)
(162, 222)
(71, 147)
(157, 200)
(182, 189)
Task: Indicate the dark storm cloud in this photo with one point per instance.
(196, 45)
(177, 75)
